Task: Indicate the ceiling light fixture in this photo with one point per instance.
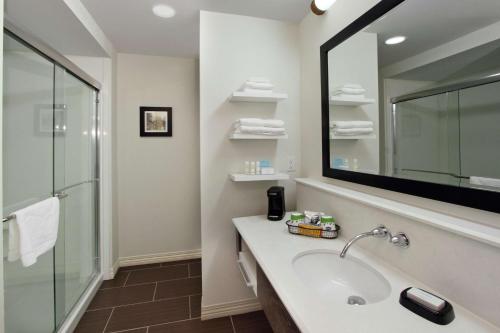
(319, 7)
(395, 40)
(163, 11)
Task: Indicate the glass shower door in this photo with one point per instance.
(75, 175)
(27, 178)
(427, 139)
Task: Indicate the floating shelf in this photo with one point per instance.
(238, 136)
(351, 102)
(239, 177)
(352, 137)
(241, 96)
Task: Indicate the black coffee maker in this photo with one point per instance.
(276, 199)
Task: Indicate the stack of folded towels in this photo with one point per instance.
(349, 91)
(260, 126)
(258, 85)
(346, 128)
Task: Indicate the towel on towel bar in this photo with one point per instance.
(352, 131)
(34, 231)
(260, 130)
(482, 181)
(257, 122)
(351, 124)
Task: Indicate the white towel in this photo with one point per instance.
(482, 181)
(257, 122)
(351, 124)
(260, 130)
(34, 231)
(348, 91)
(352, 131)
(259, 85)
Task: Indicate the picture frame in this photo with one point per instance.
(155, 121)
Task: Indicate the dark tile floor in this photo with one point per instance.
(160, 298)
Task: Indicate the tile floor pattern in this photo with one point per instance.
(160, 298)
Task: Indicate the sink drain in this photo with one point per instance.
(356, 300)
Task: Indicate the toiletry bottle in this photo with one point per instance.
(247, 167)
(257, 168)
(297, 218)
(355, 165)
(327, 222)
(252, 168)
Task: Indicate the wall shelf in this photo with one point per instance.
(239, 177)
(239, 136)
(352, 137)
(241, 96)
(351, 101)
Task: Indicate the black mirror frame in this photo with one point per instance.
(474, 198)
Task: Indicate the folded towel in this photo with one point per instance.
(351, 124)
(259, 85)
(259, 80)
(257, 122)
(348, 91)
(352, 131)
(482, 181)
(351, 85)
(34, 231)
(260, 130)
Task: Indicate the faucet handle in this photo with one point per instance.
(380, 231)
(400, 240)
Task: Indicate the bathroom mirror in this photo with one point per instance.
(411, 100)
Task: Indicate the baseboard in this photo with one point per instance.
(229, 309)
(81, 306)
(159, 257)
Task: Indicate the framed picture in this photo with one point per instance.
(50, 119)
(156, 121)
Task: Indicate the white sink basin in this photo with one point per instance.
(348, 280)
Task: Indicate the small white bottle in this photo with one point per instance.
(257, 168)
(355, 165)
(247, 167)
(252, 168)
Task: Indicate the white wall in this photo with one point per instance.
(158, 178)
(232, 49)
(314, 31)
(356, 61)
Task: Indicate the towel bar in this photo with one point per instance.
(60, 196)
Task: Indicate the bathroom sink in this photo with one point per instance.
(348, 280)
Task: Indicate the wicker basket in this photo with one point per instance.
(312, 230)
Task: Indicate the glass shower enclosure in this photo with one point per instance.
(449, 135)
(50, 147)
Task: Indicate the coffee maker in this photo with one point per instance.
(276, 200)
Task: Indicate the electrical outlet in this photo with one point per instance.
(291, 164)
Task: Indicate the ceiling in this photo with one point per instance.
(132, 27)
(430, 23)
(53, 22)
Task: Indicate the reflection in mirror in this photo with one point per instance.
(416, 95)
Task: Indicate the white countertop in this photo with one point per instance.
(274, 249)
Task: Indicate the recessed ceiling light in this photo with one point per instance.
(395, 40)
(319, 7)
(163, 11)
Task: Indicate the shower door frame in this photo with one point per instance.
(71, 319)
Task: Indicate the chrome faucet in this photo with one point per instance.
(381, 231)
